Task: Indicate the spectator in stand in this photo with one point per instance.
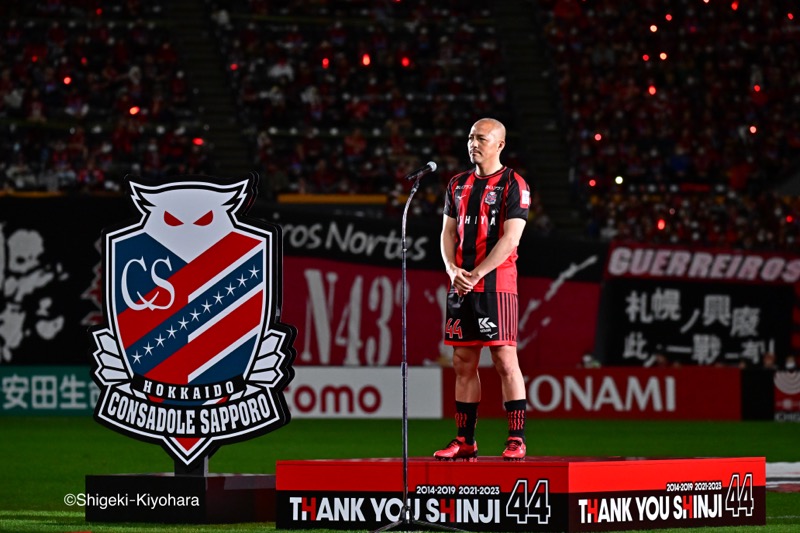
(90, 178)
(20, 176)
(355, 147)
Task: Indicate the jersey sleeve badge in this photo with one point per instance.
(525, 200)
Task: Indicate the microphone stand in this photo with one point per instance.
(405, 518)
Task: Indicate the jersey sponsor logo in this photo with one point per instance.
(485, 325)
(525, 200)
(482, 219)
(193, 355)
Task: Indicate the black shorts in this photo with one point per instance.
(481, 318)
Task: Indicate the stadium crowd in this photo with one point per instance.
(682, 119)
(351, 96)
(679, 133)
(89, 92)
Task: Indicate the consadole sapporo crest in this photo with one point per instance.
(192, 354)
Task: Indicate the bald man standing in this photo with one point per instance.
(484, 215)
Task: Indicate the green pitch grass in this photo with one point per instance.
(44, 459)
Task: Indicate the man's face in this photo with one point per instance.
(484, 143)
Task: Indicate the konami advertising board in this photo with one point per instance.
(692, 393)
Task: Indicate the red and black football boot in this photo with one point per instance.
(515, 450)
(458, 449)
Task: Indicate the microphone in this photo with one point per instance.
(427, 169)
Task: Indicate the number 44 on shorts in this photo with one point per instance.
(453, 328)
(523, 505)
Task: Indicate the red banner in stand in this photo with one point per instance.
(350, 314)
(686, 393)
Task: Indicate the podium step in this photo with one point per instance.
(538, 494)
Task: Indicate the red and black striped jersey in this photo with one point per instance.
(481, 205)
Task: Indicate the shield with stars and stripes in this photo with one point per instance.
(192, 324)
(189, 295)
